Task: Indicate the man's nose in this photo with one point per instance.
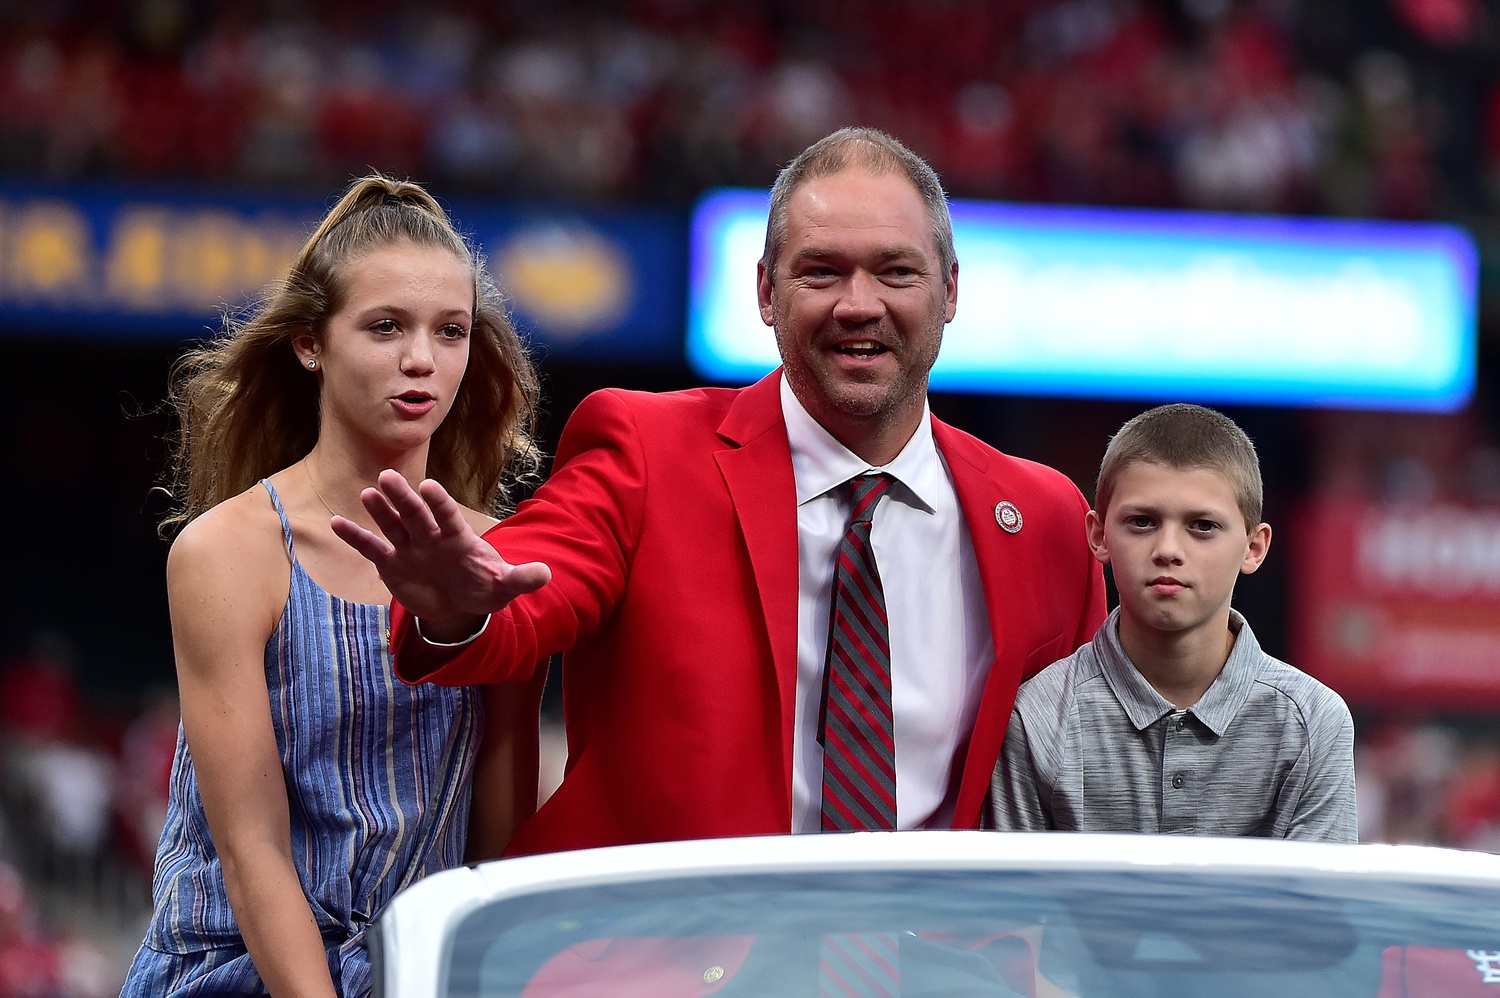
(861, 300)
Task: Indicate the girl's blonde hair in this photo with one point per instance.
(247, 408)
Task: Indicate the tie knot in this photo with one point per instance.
(864, 492)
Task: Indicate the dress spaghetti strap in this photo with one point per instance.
(286, 526)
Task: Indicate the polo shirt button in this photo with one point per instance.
(1178, 781)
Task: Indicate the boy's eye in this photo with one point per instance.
(384, 326)
(1204, 526)
(1138, 521)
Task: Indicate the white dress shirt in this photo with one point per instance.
(941, 646)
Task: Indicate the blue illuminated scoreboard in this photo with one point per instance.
(1152, 305)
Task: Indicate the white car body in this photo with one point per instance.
(414, 937)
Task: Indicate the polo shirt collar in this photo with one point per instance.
(1144, 706)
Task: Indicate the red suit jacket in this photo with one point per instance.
(670, 525)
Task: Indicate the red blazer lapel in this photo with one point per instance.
(1014, 595)
(757, 470)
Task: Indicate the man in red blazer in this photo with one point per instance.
(681, 553)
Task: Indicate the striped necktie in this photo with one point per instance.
(857, 732)
(859, 965)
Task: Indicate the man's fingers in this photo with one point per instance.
(374, 547)
(444, 509)
(522, 579)
(408, 504)
(384, 515)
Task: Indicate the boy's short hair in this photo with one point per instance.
(1181, 435)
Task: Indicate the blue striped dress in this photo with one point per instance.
(378, 776)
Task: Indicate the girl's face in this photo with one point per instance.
(392, 358)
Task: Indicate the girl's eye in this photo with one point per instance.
(453, 331)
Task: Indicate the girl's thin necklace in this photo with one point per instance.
(307, 469)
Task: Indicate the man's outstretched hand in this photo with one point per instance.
(432, 561)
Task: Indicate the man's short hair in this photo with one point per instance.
(1185, 436)
(878, 153)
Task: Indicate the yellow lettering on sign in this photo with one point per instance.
(135, 266)
(50, 253)
(268, 248)
(205, 268)
(570, 279)
(195, 259)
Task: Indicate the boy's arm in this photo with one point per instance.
(1326, 810)
(1016, 803)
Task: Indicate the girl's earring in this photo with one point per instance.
(312, 365)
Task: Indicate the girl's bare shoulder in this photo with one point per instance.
(479, 522)
(241, 535)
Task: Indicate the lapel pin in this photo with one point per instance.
(1008, 517)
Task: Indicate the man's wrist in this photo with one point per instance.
(471, 631)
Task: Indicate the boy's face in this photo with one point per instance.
(1176, 541)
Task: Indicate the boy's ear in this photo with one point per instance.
(1255, 553)
(1097, 544)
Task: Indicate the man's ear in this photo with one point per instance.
(1255, 552)
(952, 293)
(1095, 527)
(763, 293)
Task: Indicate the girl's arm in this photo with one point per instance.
(507, 770)
(226, 585)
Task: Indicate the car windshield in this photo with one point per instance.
(1040, 934)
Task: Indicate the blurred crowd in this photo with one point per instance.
(1429, 783)
(1369, 107)
(83, 792)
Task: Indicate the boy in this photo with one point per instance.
(1172, 719)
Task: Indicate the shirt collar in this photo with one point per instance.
(1222, 700)
(1219, 703)
(821, 463)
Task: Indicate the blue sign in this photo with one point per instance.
(1152, 305)
(116, 263)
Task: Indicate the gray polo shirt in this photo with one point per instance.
(1091, 747)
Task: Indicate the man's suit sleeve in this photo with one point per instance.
(584, 524)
